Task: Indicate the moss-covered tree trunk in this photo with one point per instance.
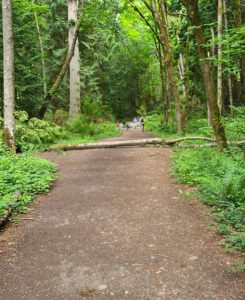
(193, 13)
(159, 15)
(219, 70)
(228, 75)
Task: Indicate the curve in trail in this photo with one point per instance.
(115, 226)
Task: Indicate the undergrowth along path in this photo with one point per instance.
(115, 226)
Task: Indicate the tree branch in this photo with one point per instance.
(146, 21)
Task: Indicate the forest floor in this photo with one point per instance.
(115, 226)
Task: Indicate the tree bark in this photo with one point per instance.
(186, 79)
(239, 21)
(212, 42)
(160, 19)
(228, 75)
(193, 13)
(237, 13)
(219, 69)
(182, 76)
(164, 91)
(75, 90)
(8, 75)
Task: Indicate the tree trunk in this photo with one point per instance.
(141, 142)
(229, 75)
(209, 115)
(219, 69)
(182, 76)
(75, 90)
(193, 13)
(212, 42)
(239, 21)
(186, 79)
(40, 42)
(8, 75)
(237, 13)
(160, 19)
(62, 72)
(163, 82)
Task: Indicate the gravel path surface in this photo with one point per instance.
(115, 226)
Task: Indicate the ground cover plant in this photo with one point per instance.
(26, 174)
(218, 175)
(220, 180)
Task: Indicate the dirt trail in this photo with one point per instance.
(115, 226)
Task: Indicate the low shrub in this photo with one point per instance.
(35, 133)
(155, 124)
(235, 126)
(84, 127)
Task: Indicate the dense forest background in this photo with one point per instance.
(120, 55)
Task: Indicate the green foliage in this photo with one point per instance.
(220, 177)
(154, 123)
(25, 173)
(35, 133)
(80, 125)
(196, 125)
(235, 126)
(59, 117)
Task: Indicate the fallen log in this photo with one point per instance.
(125, 143)
(9, 210)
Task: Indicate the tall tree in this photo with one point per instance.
(75, 90)
(159, 50)
(193, 13)
(219, 70)
(231, 102)
(239, 21)
(8, 70)
(160, 16)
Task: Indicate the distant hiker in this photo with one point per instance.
(135, 123)
(127, 126)
(142, 124)
(138, 121)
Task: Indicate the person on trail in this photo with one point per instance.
(127, 126)
(135, 122)
(142, 124)
(138, 121)
(121, 125)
